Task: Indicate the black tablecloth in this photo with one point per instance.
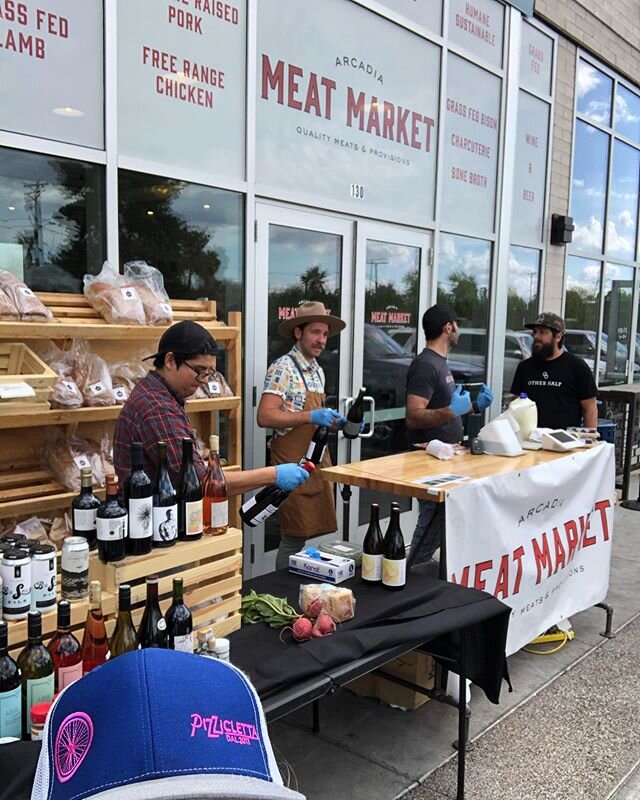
(427, 610)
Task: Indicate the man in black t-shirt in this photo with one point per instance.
(434, 409)
(560, 383)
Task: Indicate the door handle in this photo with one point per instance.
(348, 402)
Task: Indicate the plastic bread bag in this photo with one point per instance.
(27, 304)
(65, 457)
(8, 311)
(92, 376)
(149, 284)
(117, 301)
(124, 376)
(337, 601)
(66, 393)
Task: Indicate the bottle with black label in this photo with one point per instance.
(10, 690)
(165, 504)
(318, 445)
(112, 524)
(138, 497)
(266, 502)
(84, 508)
(189, 496)
(179, 621)
(394, 560)
(36, 666)
(372, 548)
(353, 424)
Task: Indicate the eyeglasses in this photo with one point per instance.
(203, 375)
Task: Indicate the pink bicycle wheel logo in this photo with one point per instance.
(72, 744)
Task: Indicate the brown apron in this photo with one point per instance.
(309, 509)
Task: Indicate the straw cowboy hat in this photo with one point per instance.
(311, 311)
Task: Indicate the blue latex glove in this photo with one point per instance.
(460, 401)
(290, 476)
(484, 398)
(325, 417)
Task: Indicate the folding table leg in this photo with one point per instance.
(462, 722)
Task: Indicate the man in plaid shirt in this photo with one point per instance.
(155, 412)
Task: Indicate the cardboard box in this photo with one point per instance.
(328, 569)
(415, 667)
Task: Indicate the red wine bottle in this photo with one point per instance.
(372, 548)
(65, 649)
(138, 498)
(317, 445)
(394, 559)
(112, 525)
(189, 496)
(266, 502)
(165, 504)
(353, 425)
(179, 621)
(83, 509)
(152, 630)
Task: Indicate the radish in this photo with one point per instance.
(324, 625)
(302, 629)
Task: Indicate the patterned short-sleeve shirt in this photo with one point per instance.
(284, 380)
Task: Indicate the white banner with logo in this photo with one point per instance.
(538, 539)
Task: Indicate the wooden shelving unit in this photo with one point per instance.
(28, 488)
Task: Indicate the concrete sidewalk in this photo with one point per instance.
(553, 730)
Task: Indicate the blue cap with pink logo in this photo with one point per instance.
(156, 724)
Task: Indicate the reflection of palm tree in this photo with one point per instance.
(313, 281)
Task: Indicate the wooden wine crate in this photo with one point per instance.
(211, 569)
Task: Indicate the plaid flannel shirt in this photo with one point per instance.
(153, 413)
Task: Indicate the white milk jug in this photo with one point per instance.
(525, 413)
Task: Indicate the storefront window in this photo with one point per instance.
(594, 89)
(582, 294)
(193, 234)
(622, 222)
(51, 219)
(627, 113)
(589, 187)
(616, 324)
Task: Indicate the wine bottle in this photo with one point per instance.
(372, 548)
(165, 504)
(65, 650)
(318, 445)
(36, 666)
(214, 490)
(83, 509)
(112, 524)
(124, 638)
(189, 496)
(138, 500)
(152, 630)
(394, 559)
(10, 689)
(266, 502)
(353, 425)
(179, 621)
(95, 644)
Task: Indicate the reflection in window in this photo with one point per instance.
(582, 294)
(593, 90)
(523, 277)
(616, 323)
(622, 223)
(51, 219)
(626, 116)
(589, 186)
(193, 234)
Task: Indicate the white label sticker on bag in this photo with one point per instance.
(96, 388)
(81, 461)
(214, 387)
(120, 393)
(24, 290)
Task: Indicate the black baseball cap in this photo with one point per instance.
(438, 315)
(186, 337)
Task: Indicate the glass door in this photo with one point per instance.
(299, 256)
(390, 295)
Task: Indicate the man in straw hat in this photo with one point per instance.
(293, 404)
